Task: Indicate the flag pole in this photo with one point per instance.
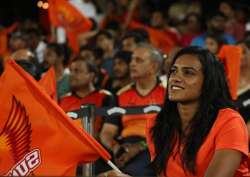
(112, 165)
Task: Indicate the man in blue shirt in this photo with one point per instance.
(216, 25)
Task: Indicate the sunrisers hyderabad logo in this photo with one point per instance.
(16, 157)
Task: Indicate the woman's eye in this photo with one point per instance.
(188, 72)
(172, 71)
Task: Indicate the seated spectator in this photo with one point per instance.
(232, 26)
(131, 155)
(105, 41)
(94, 55)
(215, 25)
(214, 43)
(131, 39)
(55, 55)
(192, 28)
(26, 59)
(82, 74)
(121, 76)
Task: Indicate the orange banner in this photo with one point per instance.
(158, 38)
(37, 137)
(230, 56)
(64, 14)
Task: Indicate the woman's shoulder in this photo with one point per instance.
(228, 117)
(227, 114)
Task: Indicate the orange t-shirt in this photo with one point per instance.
(228, 132)
(99, 98)
(134, 125)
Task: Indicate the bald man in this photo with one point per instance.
(25, 58)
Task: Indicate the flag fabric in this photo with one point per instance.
(4, 39)
(48, 82)
(63, 13)
(158, 38)
(230, 56)
(36, 136)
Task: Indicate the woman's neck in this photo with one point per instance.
(187, 112)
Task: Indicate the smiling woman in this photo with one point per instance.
(198, 133)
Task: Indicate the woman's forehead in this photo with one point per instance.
(188, 60)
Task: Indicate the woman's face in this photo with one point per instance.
(186, 79)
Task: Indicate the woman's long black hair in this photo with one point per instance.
(167, 130)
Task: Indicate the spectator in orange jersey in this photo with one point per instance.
(83, 91)
(130, 153)
(94, 55)
(198, 133)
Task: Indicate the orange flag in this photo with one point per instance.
(48, 82)
(4, 38)
(36, 136)
(230, 56)
(64, 14)
(158, 38)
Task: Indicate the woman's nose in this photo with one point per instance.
(175, 77)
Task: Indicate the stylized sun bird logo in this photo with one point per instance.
(16, 158)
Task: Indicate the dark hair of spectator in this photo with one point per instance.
(142, 34)
(135, 35)
(218, 38)
(60, 50)
(124, 56)
(216, 14)
(18, 35)
(113, 25)
(97, 51)
(90, 66)
(105, 33)
(167, 130)
(94, 24)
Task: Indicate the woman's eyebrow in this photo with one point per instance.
(186, 67)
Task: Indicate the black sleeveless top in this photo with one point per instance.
(243, 104)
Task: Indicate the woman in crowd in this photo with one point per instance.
(198, 132)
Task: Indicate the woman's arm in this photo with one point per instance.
(224, 163)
